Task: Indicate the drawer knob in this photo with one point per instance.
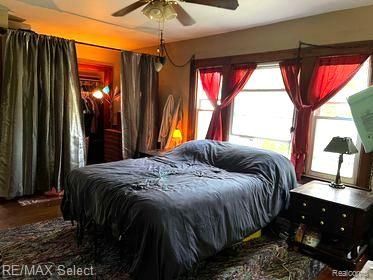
(322, 223)
(323, 209)
(342, 229)
(344, 215)
(303, 217)
(304, 204)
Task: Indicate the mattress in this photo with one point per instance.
(175, 210)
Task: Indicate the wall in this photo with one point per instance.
(104, 57)
(337, 27)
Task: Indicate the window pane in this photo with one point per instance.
(204, 118)
(325, 162)
(267, 144)
(201, 96)
(326, 128)
(205, 104)
(263, 114)
(266, 78)
(204, 110)
(334, 110)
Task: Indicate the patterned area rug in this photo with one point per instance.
(53, 244)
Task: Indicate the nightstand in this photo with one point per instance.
(342, 217)
(112, 145)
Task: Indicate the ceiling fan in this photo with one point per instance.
(162, 10)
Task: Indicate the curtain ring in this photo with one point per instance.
(299, 50)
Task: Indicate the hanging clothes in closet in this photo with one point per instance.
(93, 118)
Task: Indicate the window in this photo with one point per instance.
(334, 119)
(204, 111)
(263, 112)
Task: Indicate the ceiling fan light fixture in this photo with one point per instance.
(169, 12)
(153, 10)
(164, 10)
(159, 63)
(159, 11)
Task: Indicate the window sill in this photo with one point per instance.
(307, 178)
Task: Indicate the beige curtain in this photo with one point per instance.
(139, 103)
(130, 102)
(170, 118)
(40, 117)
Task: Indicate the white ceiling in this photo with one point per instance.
(91, 20)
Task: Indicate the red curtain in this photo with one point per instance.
(238, 77)
(211, 81)
(330, 75)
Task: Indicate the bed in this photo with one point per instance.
(175, 210)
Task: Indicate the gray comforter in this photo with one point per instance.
(176, 210)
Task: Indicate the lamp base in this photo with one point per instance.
(336, 186)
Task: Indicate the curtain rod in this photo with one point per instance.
(4, 30)
(98, 46)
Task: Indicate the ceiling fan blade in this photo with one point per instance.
(224, 4)
(129, 8)
(182, 15)
(15, 18)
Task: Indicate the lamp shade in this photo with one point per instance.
(341, 145)
(159, 62)
(106, 90)
(177, 134)
(98, 94)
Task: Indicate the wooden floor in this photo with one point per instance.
(12, 214)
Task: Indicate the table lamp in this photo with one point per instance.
(341, 146)
(177, 136)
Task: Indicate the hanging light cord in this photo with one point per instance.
(163, 49)
(175, 64)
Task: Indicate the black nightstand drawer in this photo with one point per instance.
(302, 217)
(326, 215)
(301, 202)
(310, 205)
